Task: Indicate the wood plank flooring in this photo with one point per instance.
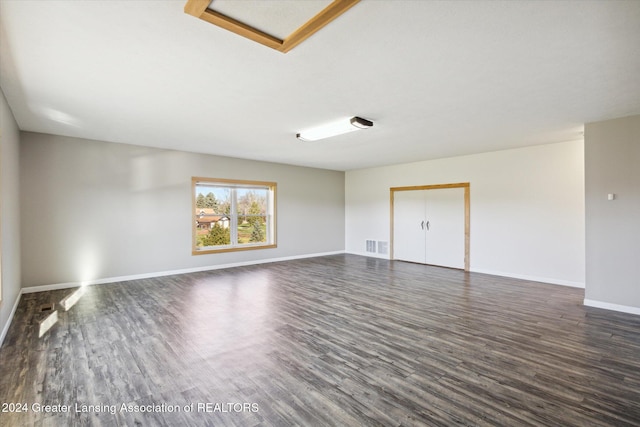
(331, 341)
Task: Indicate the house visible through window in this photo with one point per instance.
(231, 215)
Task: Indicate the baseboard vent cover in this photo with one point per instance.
(46, 308)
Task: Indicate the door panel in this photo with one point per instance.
(445, 232)
(408, 226)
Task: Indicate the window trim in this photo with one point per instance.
(271, 186)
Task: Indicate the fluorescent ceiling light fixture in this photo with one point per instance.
(334, 128)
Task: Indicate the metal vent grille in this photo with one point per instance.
(383, 248)
(371, 246)
(46, 308)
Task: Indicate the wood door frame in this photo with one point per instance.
(467, 210)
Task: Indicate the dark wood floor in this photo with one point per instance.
(340, 340)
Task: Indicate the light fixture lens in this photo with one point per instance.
(334, 128)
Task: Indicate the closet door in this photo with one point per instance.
(409, 226)
(445, 224)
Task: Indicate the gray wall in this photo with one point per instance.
(10, 214)
(93, 210)
(612, 165)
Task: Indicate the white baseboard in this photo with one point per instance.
(10, 319)
(499, 273)
(369, 254)
(610, 306)
(107, 280)
(531, 278)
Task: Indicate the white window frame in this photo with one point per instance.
(233, 185)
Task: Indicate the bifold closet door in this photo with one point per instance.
(409, 226)
(429, 226)
(445, 227)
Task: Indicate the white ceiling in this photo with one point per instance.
(277, 18)
(439, 79)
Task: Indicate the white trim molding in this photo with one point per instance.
(43, 288)
(370, 255)
(611, 306)
(10, 318)
(548, 280)
(107, 280)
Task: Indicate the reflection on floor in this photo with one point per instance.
(338, 340)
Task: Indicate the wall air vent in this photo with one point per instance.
(371, 246)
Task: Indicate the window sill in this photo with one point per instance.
(232, 249)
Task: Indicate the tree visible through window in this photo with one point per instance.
(232, 215)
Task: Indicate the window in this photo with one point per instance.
(232, 215)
